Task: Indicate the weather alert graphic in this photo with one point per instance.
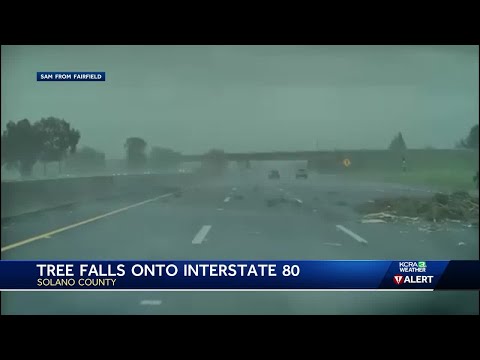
(398, 279)
(414, 274)
(413, 266)
(411, 279)
(408, 267)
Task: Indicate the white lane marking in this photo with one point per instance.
(299, 201)
(332, 244)
(227, 199)
(199, 238)
(219, 209)
(352, 234)
(151, 302)
(53, 232)
(380, 190)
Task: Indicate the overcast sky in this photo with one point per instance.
(249, 98)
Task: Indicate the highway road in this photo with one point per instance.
(239, 216)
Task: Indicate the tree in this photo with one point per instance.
(4, 151)
(163, 158)
(135, 148)
(58, 138)
(86, 159)
(471, 141)
(215, 161)
(398, 144)
(21, 146)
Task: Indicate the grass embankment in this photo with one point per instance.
(443, 170)
(437, 179)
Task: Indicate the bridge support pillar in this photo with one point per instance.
(243, 164)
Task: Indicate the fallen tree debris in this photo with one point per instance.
(373, 221)
(458, 207)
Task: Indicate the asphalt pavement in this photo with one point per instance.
(241, 216)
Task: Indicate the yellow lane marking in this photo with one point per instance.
(53, 232)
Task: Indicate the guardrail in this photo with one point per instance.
(30, 196)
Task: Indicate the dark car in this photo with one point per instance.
(301, 173)
(274, 174)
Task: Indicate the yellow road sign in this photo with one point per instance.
(346, 162)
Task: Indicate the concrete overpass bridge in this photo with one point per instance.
(270, 156)
(314, 158)
(358, 159)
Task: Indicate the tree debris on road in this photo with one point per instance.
(458, 207)
(373, 221)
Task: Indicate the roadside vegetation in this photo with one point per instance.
(442, 170)
(456, 182)
(45, 141)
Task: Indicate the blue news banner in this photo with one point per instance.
(71, 76)
(238, 275)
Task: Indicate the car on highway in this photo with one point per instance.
(274, 174)
(301, 173)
